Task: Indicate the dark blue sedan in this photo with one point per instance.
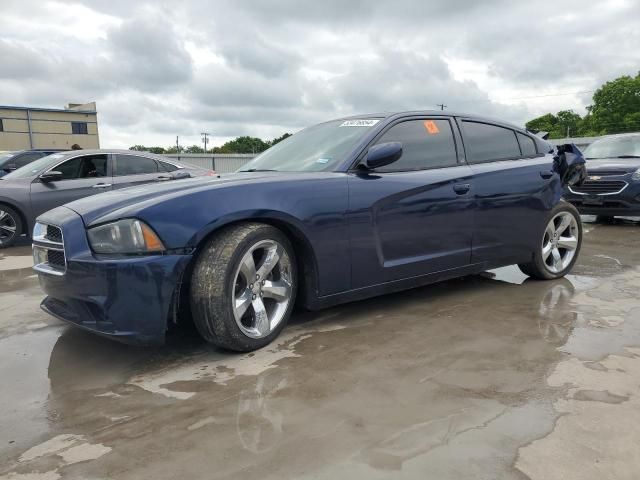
(343, 210)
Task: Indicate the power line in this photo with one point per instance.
(546, 95)
(492, 100)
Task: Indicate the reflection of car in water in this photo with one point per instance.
(613, 184)
(341, 211)
(556, 318)
(258, 423)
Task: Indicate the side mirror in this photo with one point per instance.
(10, 168)
(382, 154)
(50, 176)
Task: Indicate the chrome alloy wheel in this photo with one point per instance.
(560, 242)
(7, 226)
(262, 288)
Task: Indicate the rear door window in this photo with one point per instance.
(484, 142)
(167, 167)
(426, 143)
(527, 145)
(135, 165)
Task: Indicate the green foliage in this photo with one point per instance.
(244, 144)
(279, 139)
(615, 109)
(616, 106)
(194, 149)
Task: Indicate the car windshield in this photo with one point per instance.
(614, 147)
(31, 169)
(318, 148)
(5, 157)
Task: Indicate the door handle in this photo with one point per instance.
(546, 174)
(164, 178)
(461, 188)
(101, 185)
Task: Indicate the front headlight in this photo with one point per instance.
(124, 236)
(636, 175)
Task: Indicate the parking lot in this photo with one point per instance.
(519, 378)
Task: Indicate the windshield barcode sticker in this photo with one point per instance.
(359, 123)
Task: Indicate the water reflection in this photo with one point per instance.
(258, 421)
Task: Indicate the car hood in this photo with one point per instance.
(613, 165)
(127, 201)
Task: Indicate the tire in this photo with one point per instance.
(10, 226)
(221, 279)
(559, 246)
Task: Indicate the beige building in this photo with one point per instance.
(23, 128)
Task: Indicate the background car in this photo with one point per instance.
(63, 177)
(613, 184)
(344, 210)
(10, 161)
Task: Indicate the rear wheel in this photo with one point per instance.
(243, 287)
(10, 226)
(560, 244)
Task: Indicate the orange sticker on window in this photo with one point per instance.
(431, 127)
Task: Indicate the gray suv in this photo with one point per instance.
(63, 177)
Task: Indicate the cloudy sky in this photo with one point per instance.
(165, 68)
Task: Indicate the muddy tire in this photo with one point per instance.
(243, 286)
(560, 243)
(10, 226)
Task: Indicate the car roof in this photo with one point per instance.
(434, 113)
(106, 151)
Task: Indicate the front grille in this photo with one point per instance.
(54, 234)
(55, 259)
(48, 249)
(600, 187)
(605, 173)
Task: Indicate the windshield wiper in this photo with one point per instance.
(258, 170)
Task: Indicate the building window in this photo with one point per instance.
(79, 128)
(1, 126)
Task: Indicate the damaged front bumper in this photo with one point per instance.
(129, 299)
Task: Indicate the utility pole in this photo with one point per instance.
(177, 144)
(567, 131)
(441, 105)
(205, 140)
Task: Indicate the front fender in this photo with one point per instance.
(313, 209)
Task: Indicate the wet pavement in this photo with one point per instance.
(490, 376)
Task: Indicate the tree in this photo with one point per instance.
(567, 125)
(615, 109)
(545, 123)
(194, 149)
(138, 148)
(279, 139)
(243, 145)
(616, 106)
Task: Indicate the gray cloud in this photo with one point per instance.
(165, 68)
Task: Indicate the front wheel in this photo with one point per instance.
(10, 226)
(243, 286)
(559, 246)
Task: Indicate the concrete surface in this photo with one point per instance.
(491, 376)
